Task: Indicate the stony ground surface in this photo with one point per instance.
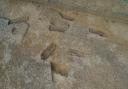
(43, 47)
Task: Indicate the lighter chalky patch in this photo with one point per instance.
(7, 54)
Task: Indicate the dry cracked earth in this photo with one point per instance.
(45, 47)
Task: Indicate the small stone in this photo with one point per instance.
(19, 20)
(48, 51)
(66, 17)
(100, 33)
(60, 68)
(59, 26)
(14, 30)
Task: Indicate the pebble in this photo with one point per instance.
(60, 68)
(66, 17)
(100, 33)
(48, 51)
(59, 26)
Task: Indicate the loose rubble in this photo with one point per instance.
(56, 53)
